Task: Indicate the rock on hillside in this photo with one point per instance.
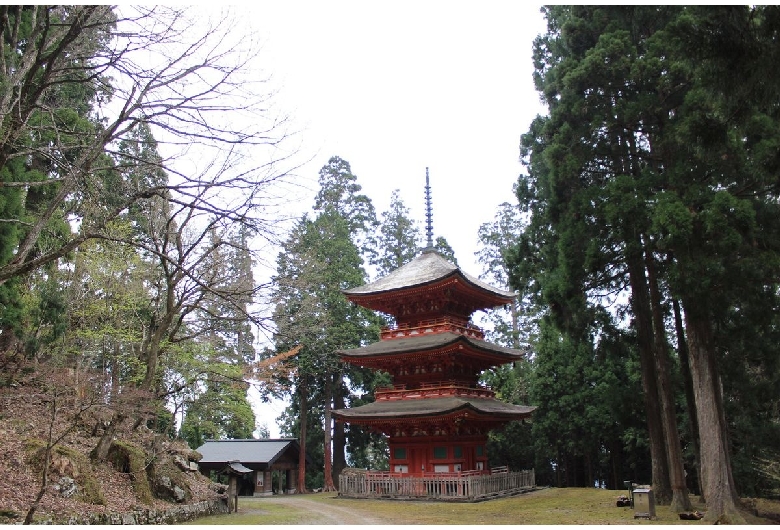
(143, 471)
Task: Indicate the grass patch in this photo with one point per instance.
(254, 511)
(550, 506)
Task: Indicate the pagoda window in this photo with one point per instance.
(457, 452)
(441, 468)
(399, 453)
(439, 452)
(480, 450)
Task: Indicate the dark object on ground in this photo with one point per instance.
(623, 501)
(691, 516)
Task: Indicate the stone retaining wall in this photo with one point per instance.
(171, 515)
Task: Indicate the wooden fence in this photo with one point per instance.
(464, 486)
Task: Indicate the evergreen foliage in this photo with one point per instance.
(399, 238)
(321, 258)
(652, 184)
(643, 248)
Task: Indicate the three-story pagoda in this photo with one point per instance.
(436, 415)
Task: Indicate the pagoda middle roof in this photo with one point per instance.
(429, 341)
(428, 267)
(420, 408)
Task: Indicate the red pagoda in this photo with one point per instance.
(436, 415)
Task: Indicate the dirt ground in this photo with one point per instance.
(320, 514)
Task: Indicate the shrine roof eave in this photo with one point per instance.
(433, 407)
(427, 269)
(427, 342)
(248, 451)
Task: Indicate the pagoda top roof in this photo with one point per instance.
(420, 408)
(429, 341)
(427, 268)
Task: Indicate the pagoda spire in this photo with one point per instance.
(428, 213)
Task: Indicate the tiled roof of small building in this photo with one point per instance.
(428, 267)
(253, 451)
(237, 468)
(411, 408)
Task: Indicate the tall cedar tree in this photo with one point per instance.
(320, 259)
(398, 240)
(584, 172)
(648, 158)
(718, 219)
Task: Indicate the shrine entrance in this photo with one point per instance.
(270, 466)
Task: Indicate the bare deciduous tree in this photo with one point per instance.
(191, 83)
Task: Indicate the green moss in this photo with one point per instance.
(164, 467)
(79, 468)
(8, 516)
(128, 458)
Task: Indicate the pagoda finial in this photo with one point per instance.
(428, 212)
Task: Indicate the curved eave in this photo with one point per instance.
(467, 292)
(426, 271)
(439, 408)
(397, 349)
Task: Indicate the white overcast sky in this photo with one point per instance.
(395, 87)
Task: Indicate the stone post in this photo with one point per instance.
(233, 493)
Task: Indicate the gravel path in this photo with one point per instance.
(320, 513)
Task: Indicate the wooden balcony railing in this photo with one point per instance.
(435, 325)
(435, 389)
(463, 486)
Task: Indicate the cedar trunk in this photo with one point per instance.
(640, 304)
(303, 396)
(716, 477)
(328, 478)
(339, 434)
(690, 400)
(680, 501)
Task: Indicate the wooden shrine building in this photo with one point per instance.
(436, 414)
(253, 462)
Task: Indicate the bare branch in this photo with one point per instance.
(190, 82)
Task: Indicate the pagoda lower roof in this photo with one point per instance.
(428, 268)
(434, 407)
(429, 342)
